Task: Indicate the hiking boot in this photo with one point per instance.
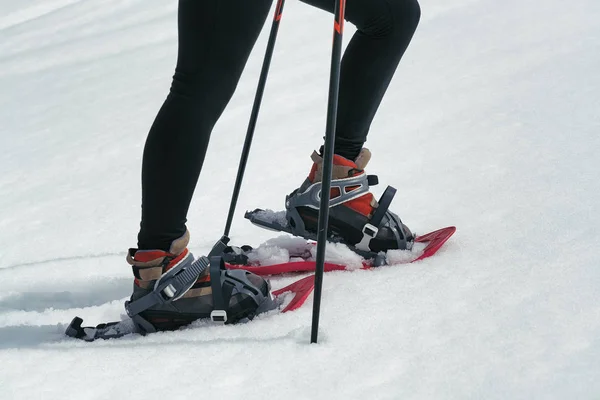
(353, 216)
(197, 301)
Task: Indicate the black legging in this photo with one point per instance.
(215, 40)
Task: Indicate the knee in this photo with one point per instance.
(205, 84)
(187, 84)
(391, 17)
(408, 13)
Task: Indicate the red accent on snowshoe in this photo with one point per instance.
(435, 240)
(301, 289)
(285, 268)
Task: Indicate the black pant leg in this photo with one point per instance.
(384, 31)
(215, 40)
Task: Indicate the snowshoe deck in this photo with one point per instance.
(433, 242)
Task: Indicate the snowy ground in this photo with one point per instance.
(491, 124)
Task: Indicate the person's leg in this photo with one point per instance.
(385, 29)
(215, 40)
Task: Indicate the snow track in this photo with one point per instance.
(50, 293)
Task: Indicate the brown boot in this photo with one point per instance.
(197, 302)
(352, 207)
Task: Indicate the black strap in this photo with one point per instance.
(400, 240)
(142, 325)
(216, 263)
(372, 180)
(384, 204)
(227, 291)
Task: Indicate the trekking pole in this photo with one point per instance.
(334, 84)
(254, 115)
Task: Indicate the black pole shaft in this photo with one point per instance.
(334, 84)
(254, 115)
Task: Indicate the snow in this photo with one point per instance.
(491, 124)
(272, 216)
(281, 249)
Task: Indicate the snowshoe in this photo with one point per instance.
(284, 255)
(355, 218)
(172, 290)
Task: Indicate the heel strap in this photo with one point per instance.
(371, 228)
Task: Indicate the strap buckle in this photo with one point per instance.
(369, 231)
(218, 316)
(169, 291)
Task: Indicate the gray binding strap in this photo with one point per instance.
(219, 313)
(403, 243)
(142, 326)
(371, 228)
(170, 287)
(219, 247)
(311, 197)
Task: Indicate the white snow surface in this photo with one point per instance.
(282, 249)
(491, 124)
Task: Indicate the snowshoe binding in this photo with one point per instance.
(355, 218)
(171, 290)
